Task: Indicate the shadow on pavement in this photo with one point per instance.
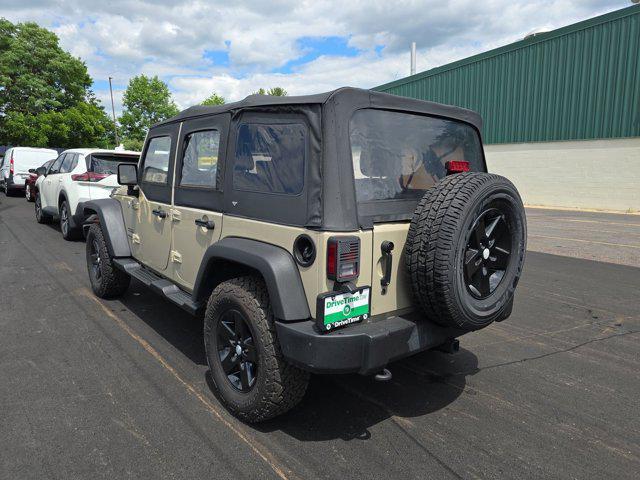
(347, 406)
(335, 406)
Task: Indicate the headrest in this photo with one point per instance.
(378, 162)
(244, 159)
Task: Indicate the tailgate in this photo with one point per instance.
(398, 294)
(103, 188)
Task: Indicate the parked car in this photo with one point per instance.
(330, 233)
(73, 178)
(30, 182)
(14, 169)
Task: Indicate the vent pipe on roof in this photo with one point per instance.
(413, 58)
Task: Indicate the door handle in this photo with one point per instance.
(159, 213)
(387, 264)
(208, 224)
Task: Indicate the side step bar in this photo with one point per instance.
(158, 284)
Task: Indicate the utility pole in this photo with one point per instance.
(413, 58)
(113, 110)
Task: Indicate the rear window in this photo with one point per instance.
(270, 158)
(107, 164)
(26, 159)
(400, 155)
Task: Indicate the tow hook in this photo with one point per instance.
(452, 345)
(383, 375)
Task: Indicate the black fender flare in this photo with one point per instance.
(109, 213)
(275, 264)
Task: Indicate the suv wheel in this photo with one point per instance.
(247, 367)
(465, 250)
(68, 232)
(106, 280)
(28, 193)
(41, 217)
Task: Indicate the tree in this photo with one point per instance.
(45, 92)
(273, 91)
(147, 100)
(213, 99)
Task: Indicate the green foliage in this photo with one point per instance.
(146, 101)
(132, 144)
(273, 91)
(45, 96)
(213, 99)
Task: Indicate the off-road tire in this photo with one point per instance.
(279, 385)
(68, 232)
(111, 282)
(438, 239)
(41, 217)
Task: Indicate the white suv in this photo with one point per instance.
(77, 176)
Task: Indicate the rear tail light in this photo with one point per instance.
(11, 165)
(343, 258)
(88, 177)
(457, 166)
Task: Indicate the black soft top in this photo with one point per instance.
(328, 199)
(343, 96)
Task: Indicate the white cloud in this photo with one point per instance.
(124, 38)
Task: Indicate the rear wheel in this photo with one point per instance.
(41, 217)
(465, 250)
(28, 193)
(248, 370)
(106, 280)
(68, 231)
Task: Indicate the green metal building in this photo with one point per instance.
(572, 91)
(578, 82)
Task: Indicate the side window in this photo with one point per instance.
(66, 166)
(55, 167)
(156, 160)
(74, 162)
(200, 160)
(270, 158)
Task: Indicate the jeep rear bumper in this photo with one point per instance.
(364, 348)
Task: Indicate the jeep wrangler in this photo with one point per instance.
(329, 233)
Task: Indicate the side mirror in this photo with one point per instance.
(38, 171)
(32, 170)
(128, 174)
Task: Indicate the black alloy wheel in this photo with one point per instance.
(236, 350)
(488, 252)
(94, 261)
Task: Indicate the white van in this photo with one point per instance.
(14, 167)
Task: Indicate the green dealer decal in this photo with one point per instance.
(345, 308)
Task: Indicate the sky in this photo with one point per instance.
(235, 47)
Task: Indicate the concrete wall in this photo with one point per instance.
(592, 174)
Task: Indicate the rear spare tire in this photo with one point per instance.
(465, 250)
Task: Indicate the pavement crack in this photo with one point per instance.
(545, 355)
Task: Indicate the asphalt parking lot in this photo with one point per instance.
(119, 389)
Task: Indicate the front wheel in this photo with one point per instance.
(41, 217)
(106, 280)
(248, 369)
(68, 232)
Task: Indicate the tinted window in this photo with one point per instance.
(55, 167)
(200, 160)
(108, 164)
(69, 163)
(270, 158)
(156, 160)
(400, 155)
